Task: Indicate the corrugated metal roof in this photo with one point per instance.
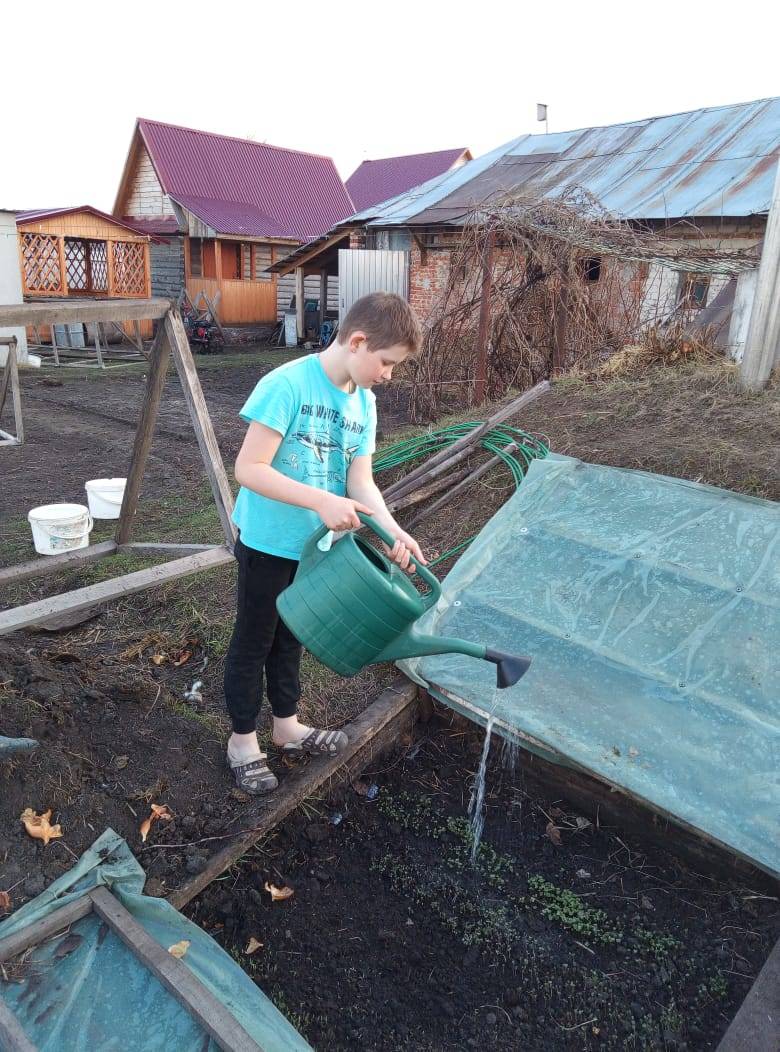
(376, 181)
(33, 215)
(245, 185)
(704, 163)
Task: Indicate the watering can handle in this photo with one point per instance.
(422, 571)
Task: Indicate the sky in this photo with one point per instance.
(350, 80)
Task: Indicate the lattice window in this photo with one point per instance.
(129, 271)
(41, 263)
(98, 261)
(76, 264)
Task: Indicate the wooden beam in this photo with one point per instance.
(201, 421)
(159, 356)
(175, 975)
(67, 311)
(323, 295)
(49, 564)
(373, 731)
(756, 1026)
(83, 598)
(164, 548)
(483, 332)
(211, 307)
(462, 484)
(763, 339)
(299, 294)
(40, 930)
(12, 1036)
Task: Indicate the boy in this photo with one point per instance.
(305, 460)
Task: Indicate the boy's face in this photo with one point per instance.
(368, 368)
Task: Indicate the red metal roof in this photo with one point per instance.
(237, 186)
(376, 181)
(35, 214)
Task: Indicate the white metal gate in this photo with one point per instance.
(364, 270)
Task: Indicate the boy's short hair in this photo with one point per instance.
(386, 319)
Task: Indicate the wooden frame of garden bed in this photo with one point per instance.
(171, 339)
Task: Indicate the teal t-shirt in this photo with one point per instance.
(323, 429)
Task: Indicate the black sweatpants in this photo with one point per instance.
(261, 642)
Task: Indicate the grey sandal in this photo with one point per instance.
(253, 776)
(318, 743)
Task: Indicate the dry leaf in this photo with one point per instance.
(253, 946)
(182, 658)
(646, 903)
(278, 894)
(5, 901)
(158, 811)
(582, 823)
(555, 812)
(240, 795)
(179, 948)
(69, 944)
(38, 826)
(120, 762)
(553, 833)
(360, 786)
(158, 659)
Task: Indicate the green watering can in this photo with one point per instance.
(351, 607)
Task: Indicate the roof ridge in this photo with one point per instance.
(404, 156)
(660, 116)
(234, 138)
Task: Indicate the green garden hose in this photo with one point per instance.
(410, 449)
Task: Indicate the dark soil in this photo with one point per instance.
(393, 939)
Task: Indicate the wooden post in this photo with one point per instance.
(159, 357)
(483, 333)
(218, 260)
(201, 421)
(110, 267)
(98, 351)
(299, 315)
(763, 339)
(63, 272)
(323, 295)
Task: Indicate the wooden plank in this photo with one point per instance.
(48, 564)
(763, 339)
(175, 976)
(37, 932)
(379, 725)
(461, 485)
(300, 294)
(12, 1036)
(201, 421)
(68, 311)
(164, 548)
(98, 351)
(82, 598)
(756, 1026)
(211, 306)
(6, 380)
(159, 356)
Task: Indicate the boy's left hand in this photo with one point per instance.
(406, 552)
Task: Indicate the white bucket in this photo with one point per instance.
(105, 497)
(58, 528)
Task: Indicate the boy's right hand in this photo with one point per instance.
(340, 513)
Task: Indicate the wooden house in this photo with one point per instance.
(222, 210)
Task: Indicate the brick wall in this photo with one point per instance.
(427, 279)
(167, 266)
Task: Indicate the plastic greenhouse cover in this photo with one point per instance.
(100, 996)
(651, 609)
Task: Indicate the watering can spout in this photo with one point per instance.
(411, 643)
(509, 667)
